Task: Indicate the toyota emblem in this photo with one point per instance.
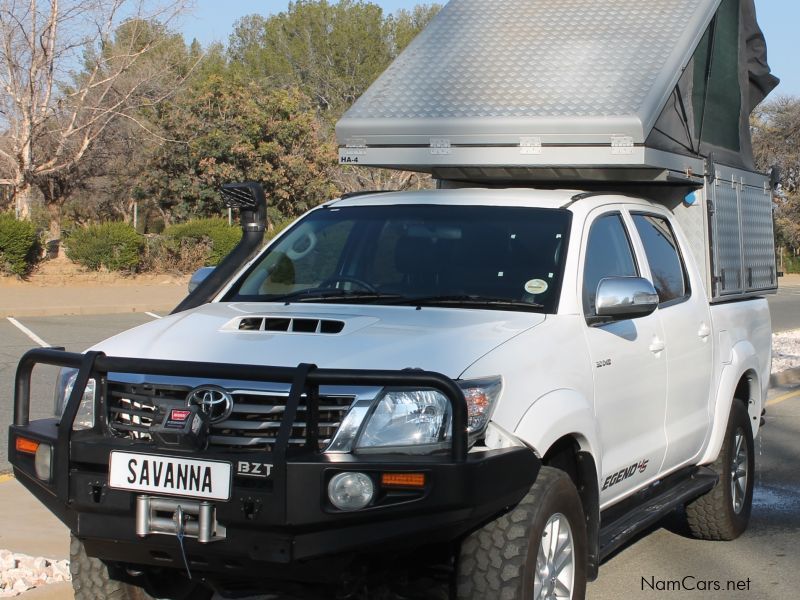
(214, 401)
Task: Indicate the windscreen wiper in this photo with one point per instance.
(334, 295)
(469, 300)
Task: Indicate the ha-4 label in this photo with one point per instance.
(169, 475)
(623, 474)
(351, 156)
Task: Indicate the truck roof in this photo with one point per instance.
(533, 198)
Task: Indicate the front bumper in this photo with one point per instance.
(282, 527)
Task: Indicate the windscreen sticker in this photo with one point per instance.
(536, 286)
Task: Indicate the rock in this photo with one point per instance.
(22, 584)
(785, 350)
(25, 562)
(7, 560)
(60, 571)
(40, 564)
(19, 572)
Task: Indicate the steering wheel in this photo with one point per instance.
(302, 246)
(332, 281)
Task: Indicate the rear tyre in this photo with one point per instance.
(538, 550)
(92, 579)
(724, 511)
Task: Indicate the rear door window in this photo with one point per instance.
(666, 265)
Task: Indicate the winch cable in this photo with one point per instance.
(179, 533)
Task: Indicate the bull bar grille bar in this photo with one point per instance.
(305, 380)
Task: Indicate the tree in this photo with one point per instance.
(234, 130)
(332, 52)
(359, 179)
(109, 191)
(70, 70)
(406, 24)
(776, 139)
(776, 142)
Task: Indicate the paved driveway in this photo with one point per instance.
(785, 305)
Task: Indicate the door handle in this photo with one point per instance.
(704, 332)
(657, 345)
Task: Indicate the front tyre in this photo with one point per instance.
(724, 511)
(538, 550)
(92, 579)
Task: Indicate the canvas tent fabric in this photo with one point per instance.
(679, 76)
(727, 77)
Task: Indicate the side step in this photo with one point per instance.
(659, 500)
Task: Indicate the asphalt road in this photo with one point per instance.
(75, 333)
(785, 308)
(762, 564)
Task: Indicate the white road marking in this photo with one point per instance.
(28, 332)
(154, 315)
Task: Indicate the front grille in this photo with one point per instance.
(252, 425)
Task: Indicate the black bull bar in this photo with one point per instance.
(305, 380)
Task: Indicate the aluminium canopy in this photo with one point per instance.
(554, 89)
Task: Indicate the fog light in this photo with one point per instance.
(350, 491)
(43, 461)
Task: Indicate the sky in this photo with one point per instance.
(212, 20)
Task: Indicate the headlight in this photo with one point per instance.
(66, 381)
(65, 377)
(419, 421)
(408, 418)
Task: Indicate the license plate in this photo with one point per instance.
(170, 475)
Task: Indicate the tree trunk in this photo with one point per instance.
(54, 210)
(23, 196)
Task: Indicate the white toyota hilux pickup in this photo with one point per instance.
(489, 390)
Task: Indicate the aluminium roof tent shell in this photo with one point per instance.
(577, 90)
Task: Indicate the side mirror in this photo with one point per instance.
(625, 298)
(199, 277)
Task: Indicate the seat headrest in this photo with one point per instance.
(415, 255)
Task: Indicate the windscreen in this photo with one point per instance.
(495, 257)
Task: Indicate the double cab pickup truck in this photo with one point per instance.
(486, 390)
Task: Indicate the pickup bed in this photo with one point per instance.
(491, 389)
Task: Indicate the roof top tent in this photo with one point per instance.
(596, 94)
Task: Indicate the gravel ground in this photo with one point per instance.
(785, 350)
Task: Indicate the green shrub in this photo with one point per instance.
(201, 242)
(115, 246)
(188, 246)
(791, 264)
(155, 257)
(19, 245)
(278, 225)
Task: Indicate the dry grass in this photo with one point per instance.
(62, 271)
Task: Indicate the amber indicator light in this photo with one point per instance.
(25, 445)
(403, 480)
